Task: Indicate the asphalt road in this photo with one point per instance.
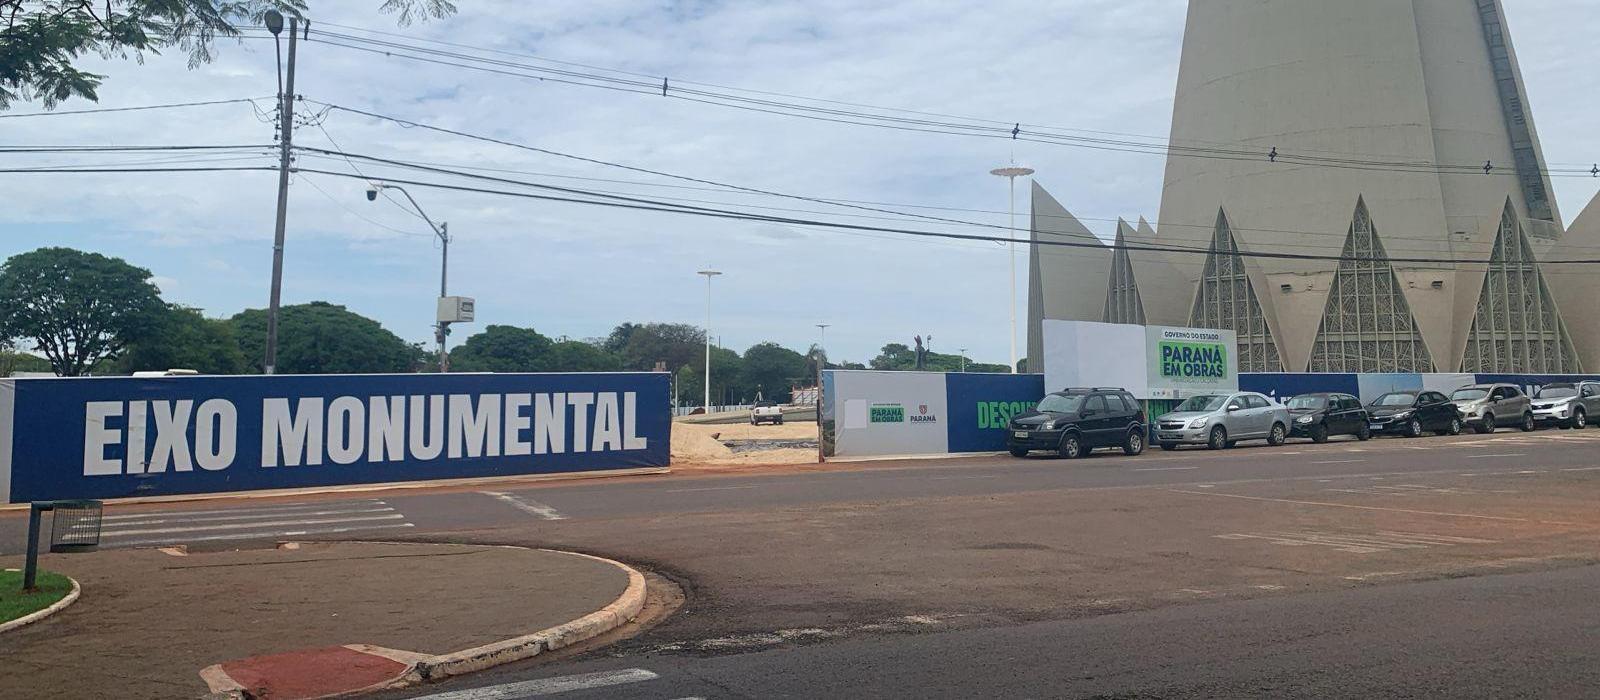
(1523, 635)
(1437, 566)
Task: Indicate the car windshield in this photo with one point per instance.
(764, 404)
(1204, 402)
(1061, 403)
(1395, 399)
(1470, 393)
(1312, 402)
(1557, 391)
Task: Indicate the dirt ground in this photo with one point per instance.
(701, 444)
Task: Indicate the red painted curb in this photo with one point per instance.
(311, 673)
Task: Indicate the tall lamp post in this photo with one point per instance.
(442, 230)
(709, 274)
(1011, 173)
(822, 350)
(963, 359)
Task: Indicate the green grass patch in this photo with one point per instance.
(14, 603)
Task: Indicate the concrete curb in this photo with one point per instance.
(617, 613)
(58, 606)
(426, 667)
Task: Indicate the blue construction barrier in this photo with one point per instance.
(981, 406)
(118, 437)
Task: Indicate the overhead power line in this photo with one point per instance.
(642, 204)
(927, 122)
(139, 108)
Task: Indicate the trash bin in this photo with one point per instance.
(74, 526)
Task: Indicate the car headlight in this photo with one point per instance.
(1403, 415)
(1198, 423)
(1304, 419)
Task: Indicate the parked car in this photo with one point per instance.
(1074, 422)
(1567, 405)
(766, 412)
(1319, 416)
(1221, 420)
(1485, 407)
(1410, 413)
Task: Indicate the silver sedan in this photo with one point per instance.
(1220, 421)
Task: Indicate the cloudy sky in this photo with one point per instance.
(576, 270)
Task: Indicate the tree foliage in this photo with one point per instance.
(771, 369)
(502, 349)
(324, 338)
(42, 40)
(899, 356)
(641, 346)
(79, 309)
(182, 338)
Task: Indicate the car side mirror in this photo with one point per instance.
(1233, 407)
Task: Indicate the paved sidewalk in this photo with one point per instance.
(148, 621)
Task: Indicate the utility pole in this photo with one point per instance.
(285, 144)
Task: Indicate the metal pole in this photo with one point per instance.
(30, 566)
(285, 143)
(1011, 233)
(708, 343)
(444, 267)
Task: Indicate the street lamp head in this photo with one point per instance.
(708, 273)
(274, 21)
(1012, 171)
(372, 190)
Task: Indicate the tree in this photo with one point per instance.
(183, 338)
(771, 369)
(897, 356)
(40, 40)
(12, 361)
(502, 349)
(324, 338)
(79, 309)
(677, 344)
(727, 384)
(578, 356)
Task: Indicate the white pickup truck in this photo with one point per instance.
(766, 412)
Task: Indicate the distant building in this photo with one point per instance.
(1361, 129)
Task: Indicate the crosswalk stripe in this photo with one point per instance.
(548, 686)
(281, 508)
(177, 516)
(236, 526)
(259, 535)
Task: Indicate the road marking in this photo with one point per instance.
(1581, 469)
(713, 488)
(1516, 454)
(1358, 543)
(548, 686)
(260, 535)
(284, 509)
(1339, 461)
(1352, 505)
(526, 505)
(236, 526)
(944, 478)
(176, 516)
(1165, 469)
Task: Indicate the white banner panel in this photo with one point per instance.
(1086, 353)
(889, 413)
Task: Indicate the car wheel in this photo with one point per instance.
(1134, 443)
(1414, 428)
(1071, 446)
(780, 421)
(1364, 433)
(1218, 439)
(1276, 437)
(1528, 425)
(1579, 420)
(1486, 425)
(1319, 433)
(1018, 452)
(1169, 446)
(1455, 426)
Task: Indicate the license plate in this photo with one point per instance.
(1375, 426)
(1022, 434)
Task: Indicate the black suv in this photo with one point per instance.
(1074, 422)
(1318, 416)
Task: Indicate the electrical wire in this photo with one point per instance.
(105, 110)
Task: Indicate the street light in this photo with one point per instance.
(822, 350)
(709, 274)
(442, 230)
(963, 359)
(1011, 173)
